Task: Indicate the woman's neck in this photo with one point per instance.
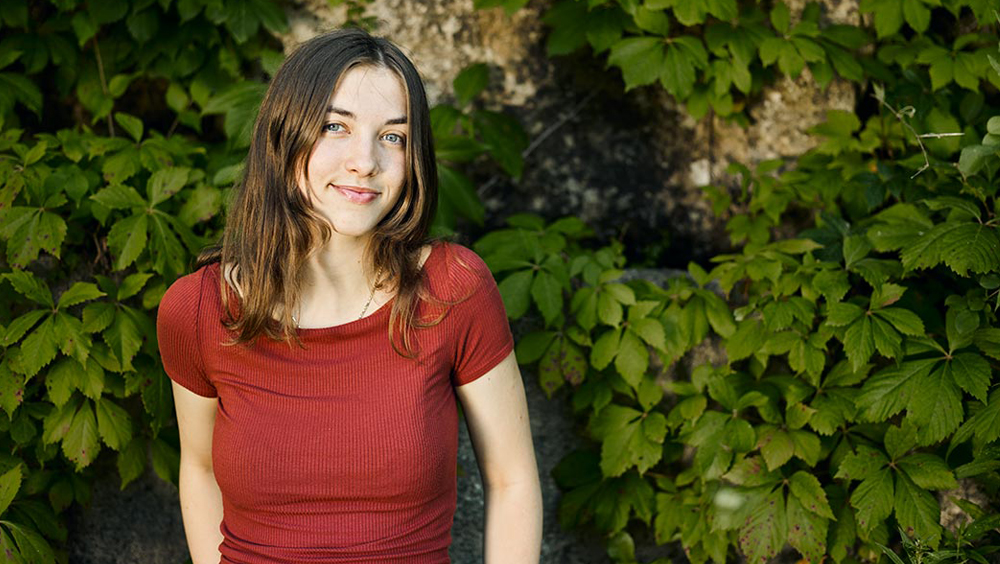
(337, 286)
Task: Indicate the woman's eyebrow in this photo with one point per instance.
(350, 114)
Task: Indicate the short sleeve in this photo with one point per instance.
(177, 334)
(482, 333)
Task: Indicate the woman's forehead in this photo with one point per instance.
(369, 90)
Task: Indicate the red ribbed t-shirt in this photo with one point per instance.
(344, 451)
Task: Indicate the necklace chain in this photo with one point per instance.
(371, 296)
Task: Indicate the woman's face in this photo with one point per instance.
(357, 167)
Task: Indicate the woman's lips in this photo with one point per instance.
(356, 194)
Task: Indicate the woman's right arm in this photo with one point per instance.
(201, 501)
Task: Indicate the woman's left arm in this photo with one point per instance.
(496, 413)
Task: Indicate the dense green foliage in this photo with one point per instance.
(856, 378)
(122, 124)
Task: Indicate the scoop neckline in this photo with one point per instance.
(382, 310)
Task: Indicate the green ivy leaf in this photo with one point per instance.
(861, 465)
(61, 380)
(935, 406)
(928, 471)
(78, 293)
(916, 510)
(131, 124)
(547, 294)
(859, 342)
(833, 284)
(747, 340)
(113, 423)
(81, 445)
(605, 348)
(165, 248)
(807, 446)
(917, 15)
(119, 196)
(841, 314)
(629, 438)
(971, 372)
(124, 338)
(765, 530)
(166, 182)
(127, 239)
(515, 290)
(67, 331)
(131, 461)
(166, 460)
(843, 534)
(204, 202)
(10, 483)
(781, 18)
(904, 320)
(887, 341)
(609, 309)
(985, 423)
(532, 346)
(888, 16)
(38, 349)
(157, 398)
(97, 316)
(889, 391)
(20, 326)
(807, 489)
(775, 445)
(963, 246)
(30, 231)
(807, 531)
(470, 82)
(11, 389)
(677, 72)
(34, 548)
(873, 499)
(720, 317)
(975, 157)
(142, 26)
(641, 60)
(505, 139)
(29, 286)
(833, 408)
(632, 358)
(651, 331)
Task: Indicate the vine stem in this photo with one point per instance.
(901, 115)
(572, 113)
(104, 82)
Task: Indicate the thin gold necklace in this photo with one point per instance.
(371, 296)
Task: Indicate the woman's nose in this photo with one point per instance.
(362, 157)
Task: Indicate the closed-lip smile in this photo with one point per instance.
(357, 194)
(359, 189)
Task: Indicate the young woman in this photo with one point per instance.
(317, 353)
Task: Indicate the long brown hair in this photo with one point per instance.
(272, 228)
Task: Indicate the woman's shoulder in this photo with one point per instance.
(454, 271)
(455, 261)
(184, 296)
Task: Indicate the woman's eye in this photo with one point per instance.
(333, 127)
(394, 138)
